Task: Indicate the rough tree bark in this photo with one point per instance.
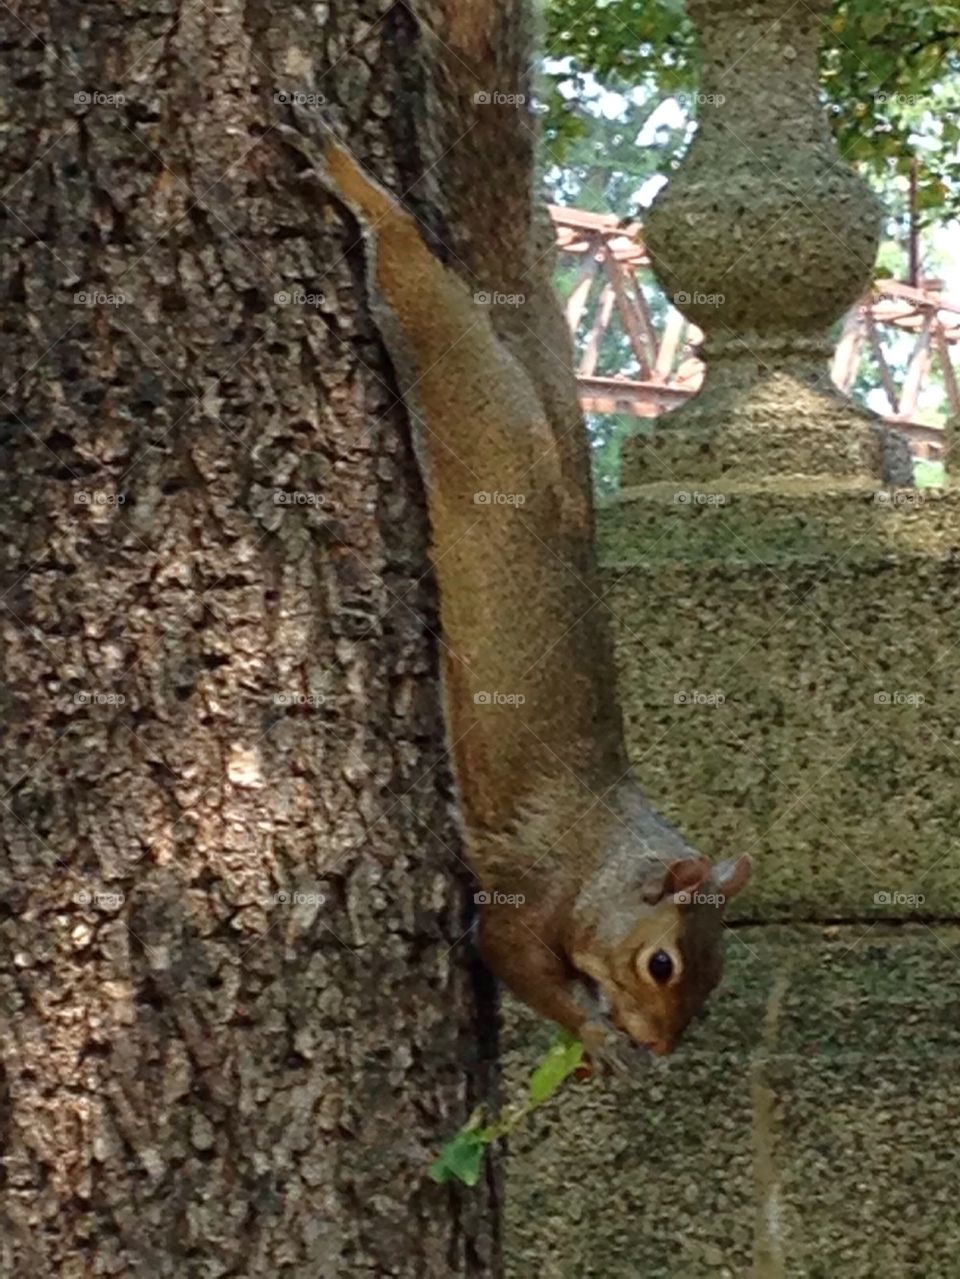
(219, 652)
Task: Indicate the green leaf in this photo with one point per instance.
(461, 1158)
(873, 23)
(560, 1062)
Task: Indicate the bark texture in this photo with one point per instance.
(237, 1013)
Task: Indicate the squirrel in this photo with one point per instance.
(594, 910)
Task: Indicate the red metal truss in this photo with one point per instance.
(614, 279)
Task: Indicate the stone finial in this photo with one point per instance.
(764, 238)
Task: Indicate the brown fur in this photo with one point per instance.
(581, 876)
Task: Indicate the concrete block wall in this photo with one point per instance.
(790, 671)
(809, 1126)
(807, 1130)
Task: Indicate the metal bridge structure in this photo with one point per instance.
(615, 298)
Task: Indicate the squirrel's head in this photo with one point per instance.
(658, 953)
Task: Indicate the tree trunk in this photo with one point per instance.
(239, 1011)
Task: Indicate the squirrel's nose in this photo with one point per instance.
(660, 1047)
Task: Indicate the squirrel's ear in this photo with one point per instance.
(731, 875)
(686, 875)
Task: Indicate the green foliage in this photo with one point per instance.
(564, 1057)
(929, 475)
(608, 434)
(596, 163)
(461, 1158)
(889, 71)
(890, 75)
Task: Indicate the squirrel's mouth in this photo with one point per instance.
(639, 1034)
(602, 1005)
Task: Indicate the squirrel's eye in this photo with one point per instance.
(660, 966)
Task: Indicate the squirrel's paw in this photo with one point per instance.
(610, 1051)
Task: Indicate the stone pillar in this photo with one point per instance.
(782, 610)
(764, 238)
(786, 628)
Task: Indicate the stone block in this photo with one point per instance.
(807, 1128)
(791, 685)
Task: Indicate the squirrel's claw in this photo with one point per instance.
(610, 1051)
